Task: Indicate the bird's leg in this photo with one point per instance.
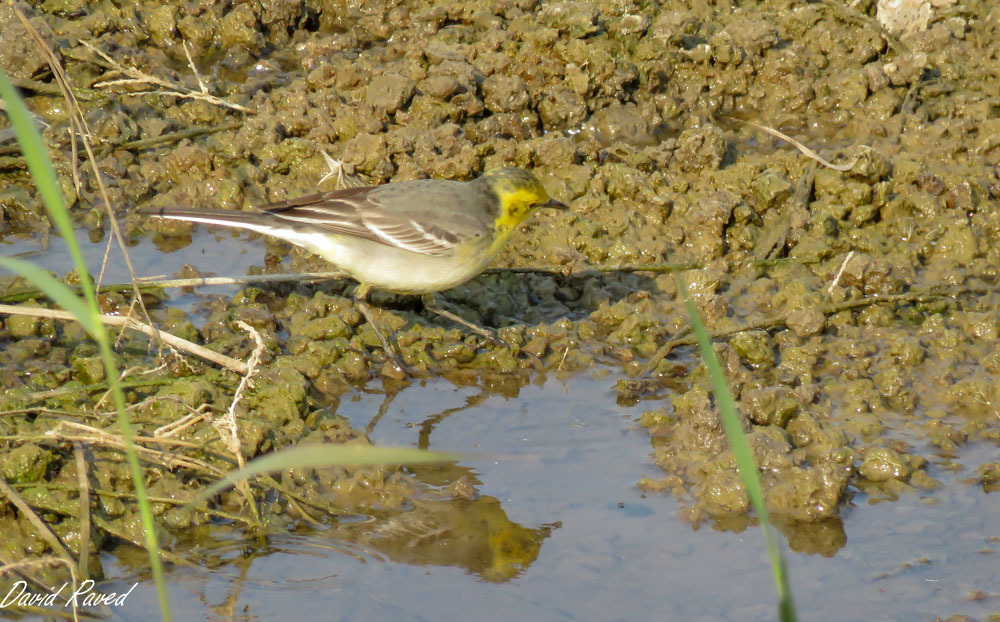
(430, 303)
(361, 293)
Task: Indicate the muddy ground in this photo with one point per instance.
(855, 310)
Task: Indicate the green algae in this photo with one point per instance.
(622, 109)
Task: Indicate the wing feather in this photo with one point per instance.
(406, 218)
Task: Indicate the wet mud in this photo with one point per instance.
(854, 308)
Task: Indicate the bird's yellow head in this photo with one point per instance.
(520, 194)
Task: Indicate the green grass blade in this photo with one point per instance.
(741, 451)
(41, 169)
(43, 174)
(55, 289)
(323, 456)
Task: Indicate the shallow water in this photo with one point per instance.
(216, 254)
(565, 453)
(560, 460)
(625, 111)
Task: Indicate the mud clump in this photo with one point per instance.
(852, 306)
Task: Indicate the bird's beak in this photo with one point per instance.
(553, 204)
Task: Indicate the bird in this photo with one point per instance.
(411, 237)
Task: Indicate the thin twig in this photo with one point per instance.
(194, 68)
(98, 386)
(335, 168)
(242, 280)
(202, 352)
(153, 440)
(136, 76)
(139, 543)
(44, 412)
(151, 284)
(79, 127)
(176, 427)
(806, 151)
(117, 494)
(227, 427)
(829, 309)
(47, 88)
(23, 566)
(146, 143)
(97, 436)
(83, 485)
(563, 359)
(43, 529)
(30, 293)
(836, 279)
(227, 424)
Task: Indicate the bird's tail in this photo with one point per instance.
(257, 221)
(302, 234)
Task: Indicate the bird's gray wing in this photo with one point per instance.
(421, 216)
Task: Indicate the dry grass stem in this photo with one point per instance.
(227, 426)
(139, 543)
(806, 151)
(137, 77)
(176, 427)
(336, 169)
(23, 567)
(202, 352)
(68, 431)
(770, 323)
(43, 529)
(79, 127)
(840, 273)
(84, 496)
